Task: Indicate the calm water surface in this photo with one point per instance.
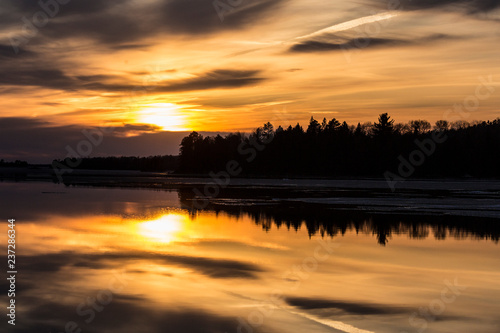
(116, 260)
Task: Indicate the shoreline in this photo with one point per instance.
(140, 179)
(437, 197)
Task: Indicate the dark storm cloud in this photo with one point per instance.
(361, 43)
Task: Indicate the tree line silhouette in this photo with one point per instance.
(319, 219)
(331, 148)
(150, 163)
(15, 164)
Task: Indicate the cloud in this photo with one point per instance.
(351, 24)
(229, 245)
(361, 43)
(48, 78)
(112, 30)
(471, 6)
(129, 46)
(109, 23)
(124, 24)
(125, 313)
(306, 303)
(40, 141)
(211, 267)
(322, 310)
(216, 79)
(6, 52)
(79, 8)
(137, 128)
(216, 268)
(222, 78)
(355, 43)
(201, 17)
(35, 70)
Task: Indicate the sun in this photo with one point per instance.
(168, 116)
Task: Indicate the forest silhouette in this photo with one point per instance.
(326, 220)
(157, 163)
(331, 148)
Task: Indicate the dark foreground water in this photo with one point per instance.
(129, 260)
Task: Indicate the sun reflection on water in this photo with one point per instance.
(164, 229)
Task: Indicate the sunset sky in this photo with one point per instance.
(230, 65)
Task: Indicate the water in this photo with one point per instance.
(104, 260)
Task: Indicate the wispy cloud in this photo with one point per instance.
(471, 6)
(362, 43)
(350, 24)
(338, 325)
